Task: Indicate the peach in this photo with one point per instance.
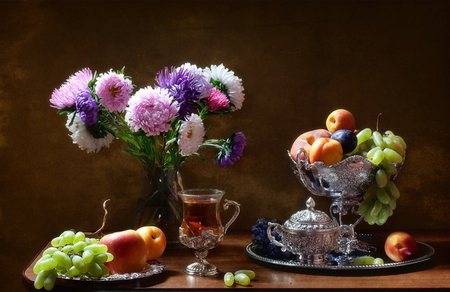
(129, 251)
(155, 240)
(327, 150)
(340, 119)
(305, 141)
(400, 246)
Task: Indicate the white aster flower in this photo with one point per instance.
(232, 83)
(83, 138)
(191, 134)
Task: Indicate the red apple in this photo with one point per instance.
(400, 246)
(340, 119)
(155, 241)
(327, 150)
(129, 251)
(305, 141)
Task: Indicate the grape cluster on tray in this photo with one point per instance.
(261, 243)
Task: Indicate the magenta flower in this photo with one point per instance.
(151, 110)
(114, 91)
(231, 151)
(65, 96)
(217, 100)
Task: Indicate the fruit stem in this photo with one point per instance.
(378, 120)
(99, 232)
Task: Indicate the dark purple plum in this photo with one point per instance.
(347, 139)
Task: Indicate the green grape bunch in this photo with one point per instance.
(386, 151)
(71, 255)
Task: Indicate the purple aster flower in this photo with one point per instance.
(87, 107)
(183, 86)
(114, 90)
(231, 151)
(204, 86)
(151, 110)
(65, 96)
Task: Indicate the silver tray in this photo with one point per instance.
(151, 268)
(425, 253)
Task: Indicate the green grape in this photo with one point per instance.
(60, 267)
(392, 190)
(100, 258)
(392, 204)
(94, 241)
(39, 282)
(364, 135)
(389, 167)
(390, 134)
(88, 256)
(388, 142)
(68, 236)
(87, 241)
(378, 139)
(48, 264)
(67, 249)
(383, 197)
(105, 270)
(251, 274)
(381, 178)
(363, 148)
(242, 279)
(369, 218)
(79, 237)
(392, 156)
(110, 257)
(398, 147)
(57, 241)
(363, 260)
(228, 279)
(371, 192)
(73, 271)
(383, 215)
(79, 246)
(63, 259)
(376, 208)
(378, 261)
(50, 251)
(97, 248)
(36, 268)
(78, 262)
(94, 269)
(372, 152)
(367, 204)
(378, 157)
(400, 139)
(49, 281)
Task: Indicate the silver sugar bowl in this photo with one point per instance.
(309, 234)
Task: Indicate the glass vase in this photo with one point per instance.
(159, 204)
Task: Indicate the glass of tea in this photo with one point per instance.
(202, 228)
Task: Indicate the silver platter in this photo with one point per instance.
(152, 268)
(425, 253)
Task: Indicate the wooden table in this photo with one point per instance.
(230, 255)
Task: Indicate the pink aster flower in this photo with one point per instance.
(114, 91)
(152, 110)
(217, 100)
(65, 96)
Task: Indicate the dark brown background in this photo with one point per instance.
(298, 61)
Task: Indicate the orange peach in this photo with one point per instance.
(340, 119)
(400, 246)
(155, 240)
(305, 141)
(327, 150)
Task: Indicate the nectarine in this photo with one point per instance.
(327, 150)
(340, 119)
(305, 141)
(400, 246)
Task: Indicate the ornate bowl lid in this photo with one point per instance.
(310, 219)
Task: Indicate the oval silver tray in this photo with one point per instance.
(425, 253)
(152, 268)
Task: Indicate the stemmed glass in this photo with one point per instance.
(202, 228)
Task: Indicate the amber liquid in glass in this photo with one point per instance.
(201, 216)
